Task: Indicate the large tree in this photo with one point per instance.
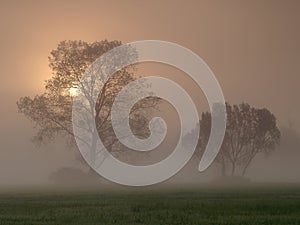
(51, 111)
(249, 132)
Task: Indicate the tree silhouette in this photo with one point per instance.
(249, 132)
(51, 111)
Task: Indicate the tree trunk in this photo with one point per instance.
(246, 167)
(233, 169)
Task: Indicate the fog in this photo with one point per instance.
(252, 47)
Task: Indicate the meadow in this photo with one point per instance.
(182, 206)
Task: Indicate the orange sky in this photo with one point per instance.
(253, 48)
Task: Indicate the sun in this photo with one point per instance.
(73, 91)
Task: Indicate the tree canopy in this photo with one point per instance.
(51, 111)
(249, 131)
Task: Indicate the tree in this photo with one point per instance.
(51, 111)
(249, 132)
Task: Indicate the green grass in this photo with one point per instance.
(167, 207)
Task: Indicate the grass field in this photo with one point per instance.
(182, 206)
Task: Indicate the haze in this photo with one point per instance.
(252, 47)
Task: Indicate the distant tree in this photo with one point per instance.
(249, 132)
(51, 111)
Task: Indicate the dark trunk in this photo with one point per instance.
(246, 167)
(233, 169)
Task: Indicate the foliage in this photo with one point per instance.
(249, 132)
(51, 111)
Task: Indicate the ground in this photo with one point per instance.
(182, 206)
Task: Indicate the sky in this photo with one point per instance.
(252, 47)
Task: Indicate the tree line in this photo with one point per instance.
(250, 131)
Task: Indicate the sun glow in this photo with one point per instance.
(73, 91)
